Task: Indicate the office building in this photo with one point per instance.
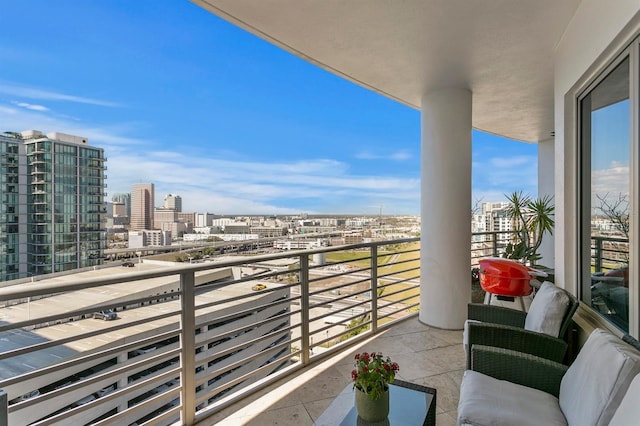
(173, 202)
(142, 199)
(124, 199)
(52, 203)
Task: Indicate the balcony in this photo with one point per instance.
(195, 342)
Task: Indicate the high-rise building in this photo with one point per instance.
(51, 203)
(142, 196)
(173, 202)
(124, 199)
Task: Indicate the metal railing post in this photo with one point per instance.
(4, 409)
(188, 348)
(304, 308)
(598, 253)
(374, 288)
(495, 244)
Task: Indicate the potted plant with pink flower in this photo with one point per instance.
(371, 377)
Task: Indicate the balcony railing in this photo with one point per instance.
(190, 339)
(193, 338)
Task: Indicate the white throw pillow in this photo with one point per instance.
(547, 310)
(593, 387)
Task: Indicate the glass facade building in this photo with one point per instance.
(55, 203)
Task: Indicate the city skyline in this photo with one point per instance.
(233, 124)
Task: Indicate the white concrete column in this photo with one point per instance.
(546, 187)
(445, 247)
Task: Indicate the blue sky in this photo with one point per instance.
(200, 108)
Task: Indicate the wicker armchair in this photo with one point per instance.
(509, 387)
(506, 328)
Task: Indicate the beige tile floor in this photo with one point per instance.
(426, 355)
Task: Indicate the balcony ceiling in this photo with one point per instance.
(502, 50)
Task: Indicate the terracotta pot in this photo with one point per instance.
(372, 410)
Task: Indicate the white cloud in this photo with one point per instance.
(401, 155)
(41, 94)
(225, 186)
(613, 180)
(32, 106)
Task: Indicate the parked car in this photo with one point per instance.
(26, 396)
(107, 315)
(85, 400)
(105, 391)
(128, 264)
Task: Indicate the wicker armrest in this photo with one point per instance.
(516, 367)
(517, 339)
(496, 314)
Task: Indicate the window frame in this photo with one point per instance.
(582, 185)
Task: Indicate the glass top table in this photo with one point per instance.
(409, 404)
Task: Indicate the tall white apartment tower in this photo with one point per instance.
(173, 202)
(142, 206)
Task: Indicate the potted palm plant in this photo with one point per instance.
(532, 219)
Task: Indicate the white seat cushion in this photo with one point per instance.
(485, 400)
(593, 387)
(547, 310)
(628, 413)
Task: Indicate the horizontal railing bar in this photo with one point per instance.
(397, 301)
(406, 308)
(337, 336)
(337, 275)
(393, 293)
(253, 294)
(337, 298)
(346, 308)
(393, 275)
(397, 262)
(334, 287)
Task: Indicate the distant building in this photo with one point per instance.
(188, 218)
(163, 218)
(203, 219)
(352, 237)
(46, 180)
(142, 207)
(149, 237)
(268, 231)
(173, 202)
(236, 228)
(123, 199)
